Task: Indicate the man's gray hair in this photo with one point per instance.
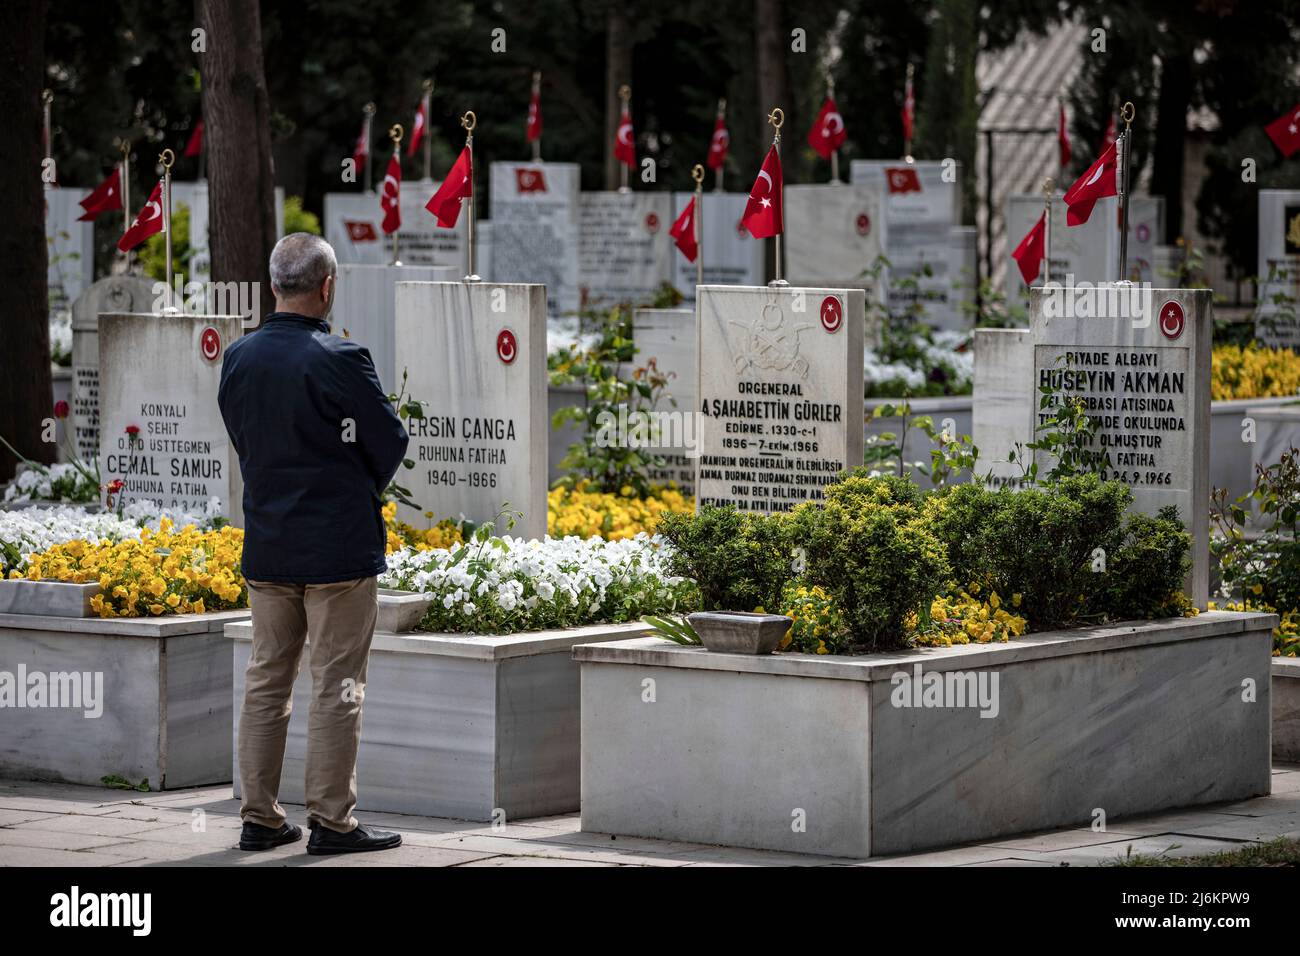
(300, 262)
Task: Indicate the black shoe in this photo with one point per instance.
(257, 837)
(361, 840)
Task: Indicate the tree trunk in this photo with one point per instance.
(773, 71)
(237, 138)
(618, 70)
(1171, 140)
(24, 296)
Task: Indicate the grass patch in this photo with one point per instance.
(1280, 852)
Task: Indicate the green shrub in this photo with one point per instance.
(740, 561)
(868, 545)
(1144, 577)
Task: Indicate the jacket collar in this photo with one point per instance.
(319, 325)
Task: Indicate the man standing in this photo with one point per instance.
(318, 442)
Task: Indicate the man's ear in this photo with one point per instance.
(327, 288)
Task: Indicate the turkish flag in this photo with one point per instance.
(106, 197)
(417, 129)
(1063, 137)
(827, 133)
(624, 147)
(361, 231)
(1285, 131)
(683, 232)
(1029, 254)
(390, 198)
(1109, 137)
(909, 109)
(458, 185)
(763, 211)
(718, 145)
(902, 179)
(533, 132)
(361, 151)
(148, 222)
(195, 146)
(530, 179)
(1097, 183)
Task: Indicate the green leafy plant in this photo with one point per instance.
(676, 629)
(298, 219)
(115, 782)
(740, 561)
(952, 455)
(1262, 567)
(407, 408)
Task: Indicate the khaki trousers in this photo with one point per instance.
(341, 621)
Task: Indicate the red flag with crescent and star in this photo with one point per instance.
(533, 132)
(361, 151)
(418, 128)
(1285, 131)
(909, 109)
(763, 211)
(458, 186)
(683, 232)
(106, 197)
(1097, 183)
(624, 146)
(718, 145)
(1029, 254)
(827, 133)
(149, 222)
(390, 196)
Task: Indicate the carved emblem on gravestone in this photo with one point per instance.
(768, 344)
(1172, 320)
(118, 297)
(651, 223)
(832, 313)
(210, 344)
(507, 346)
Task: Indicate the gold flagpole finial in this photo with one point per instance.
(47, 97)
(427, 85)
(167, 158)
(537, 77)
(1048, 186)
(124, 147)
(777, 119)
(469, 121)
(697, 174)
(1127, 114)
(722, 104)
(395, 133)
(625, 92)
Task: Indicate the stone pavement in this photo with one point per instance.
(44, 824)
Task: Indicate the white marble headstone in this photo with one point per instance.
(1142, 365)
(352, 226)
(159, 376)
(119, 293)
(1002, 399)
(780, 393)
(1089, 252)
(477, 354)
(834, 233)
(534, 212)
(624, 251)
(70, 246)
(1277, 324)
(365, 310)
(731, 255)
(666, 337)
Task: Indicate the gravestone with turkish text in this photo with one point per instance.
(1139, 359)
(665, 342)
(119, 293)
(780, 393)
(624, 251)
(70, 246)
(1002, 401)
(365, 310)
(1277, 316)
(161, 432)
(352, 225)
(834, 234)
(731, 255)
(534, 211)
(482, 383)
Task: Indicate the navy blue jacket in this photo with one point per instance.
(318, 442)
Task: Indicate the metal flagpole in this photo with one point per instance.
(907, 94)
(125, 147)
(47, 100)
(1123, 154)
(369, 112)
(537, 98)
(428, 140)
(469, 121)
(777, 119)
(167, 157)
(697, 173)
(625, 94)
(395, 133)
(722, 115)
(1047, 229)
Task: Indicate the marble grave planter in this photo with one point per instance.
(1131, 718)
(1286, 709)
(52, 598)
(140, 698)
(455, 725)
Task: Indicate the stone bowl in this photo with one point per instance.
(400, 611)
(740, 632)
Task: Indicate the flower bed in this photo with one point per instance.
(1253, 371)
(58, 482)
(506, 585)
(614, 517)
